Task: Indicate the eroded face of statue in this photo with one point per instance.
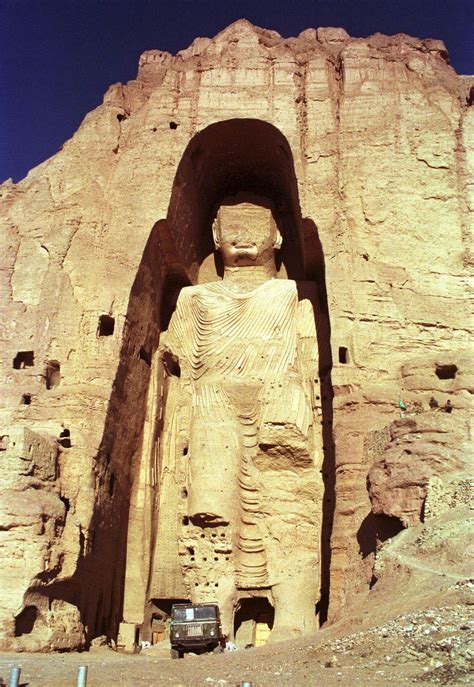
(246, 235)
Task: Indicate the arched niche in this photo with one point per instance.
(237, 157)
(240, 159)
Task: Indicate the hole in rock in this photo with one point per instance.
(23, 359)
(52, 374)
(343, 355)
(173, 125)
(185, 520)
(26, 399)
(106, 325)
(145, 355)
(184, 493)
(25, 621)
(190, 550)
(376, 529)
(253, 621)
(121, 117)
(446, 371)
(111, 485)
(171, 364)
(373, 581)
(65, 438)
(185, 451)
(67, 503)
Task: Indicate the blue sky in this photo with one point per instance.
(58, 57)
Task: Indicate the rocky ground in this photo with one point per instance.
(433, 646)
(415, 626)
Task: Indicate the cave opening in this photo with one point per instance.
(253, 621)
(25, 621)
(106, 325)
(23, 359)
(52, 374)
(446, 371)
(343, 355)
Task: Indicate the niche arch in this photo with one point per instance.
(246, 157)
(243, 159)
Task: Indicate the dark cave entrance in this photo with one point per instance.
(253, 622)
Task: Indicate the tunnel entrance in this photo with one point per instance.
(253, 622)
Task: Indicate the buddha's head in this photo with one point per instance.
(246, 234)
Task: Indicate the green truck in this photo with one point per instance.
(195, 628)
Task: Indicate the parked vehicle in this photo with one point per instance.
(196, 628)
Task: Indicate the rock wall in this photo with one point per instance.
(366, 147)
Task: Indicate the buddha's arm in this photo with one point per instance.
(175, 342)
(307, 348)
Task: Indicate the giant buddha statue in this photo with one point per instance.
(241, 433)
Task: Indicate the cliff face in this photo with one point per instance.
(365, 145)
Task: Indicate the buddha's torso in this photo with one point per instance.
(237, 337)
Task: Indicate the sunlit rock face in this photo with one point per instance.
(360, 151)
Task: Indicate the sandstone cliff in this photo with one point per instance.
(366, 146)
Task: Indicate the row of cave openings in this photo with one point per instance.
(52, 369)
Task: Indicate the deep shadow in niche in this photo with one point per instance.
(25, 621)
(251, 614)
(316, 270)
(374, 530)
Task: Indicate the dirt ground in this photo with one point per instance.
(432, 646)
(414, 627)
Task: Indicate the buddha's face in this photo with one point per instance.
(246, 235)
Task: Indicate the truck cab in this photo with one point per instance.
(196, 628)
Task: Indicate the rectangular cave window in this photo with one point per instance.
(26, 399)
(52, 374)
(106, 325)
(343, 355)
(23, 359)
(446, 371)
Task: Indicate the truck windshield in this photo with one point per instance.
(203, 613)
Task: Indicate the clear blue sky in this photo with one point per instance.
(58, 57)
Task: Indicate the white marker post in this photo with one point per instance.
(14, 677)
(82, 676)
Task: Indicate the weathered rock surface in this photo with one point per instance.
(366, 147)
(423, 470)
